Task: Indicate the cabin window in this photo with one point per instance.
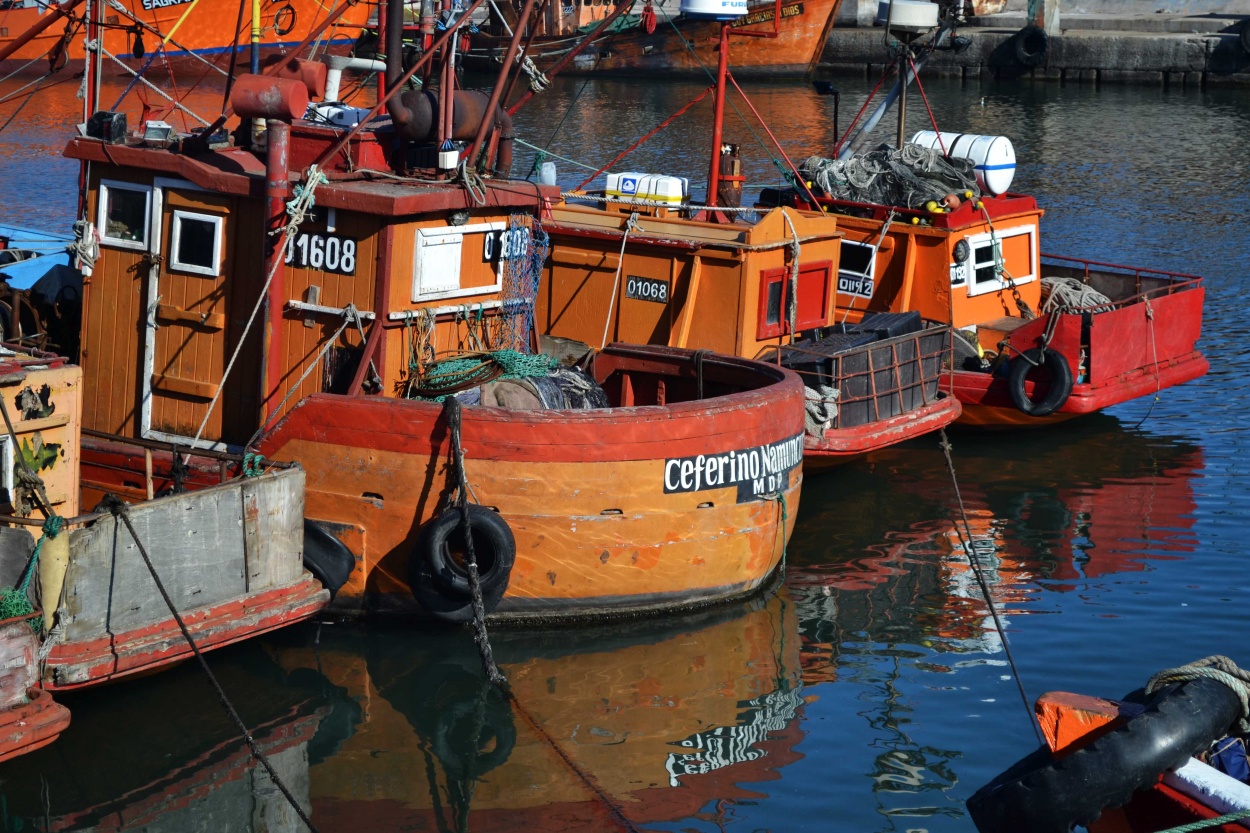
(856, 268)
(125, 210)
(455, 261)
(195, 243)
(813, 299)
(1015, 249)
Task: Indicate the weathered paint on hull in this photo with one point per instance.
(584, 493)
(81, 663)
(32, 726)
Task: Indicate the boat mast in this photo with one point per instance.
(718, 117)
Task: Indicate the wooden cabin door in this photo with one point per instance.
(188, 323)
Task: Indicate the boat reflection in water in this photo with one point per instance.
(160, 754)
(608, 728)
(894, 626)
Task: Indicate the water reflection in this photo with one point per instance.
(160, 754)
(608, 728)
(893, 621)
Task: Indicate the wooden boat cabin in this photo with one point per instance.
(630, 269)
(1046, 338)
(296, 291)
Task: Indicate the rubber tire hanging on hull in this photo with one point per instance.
(1041, 794)
(438, 579)
(326, 557)
(1060, 381)
(1031, 46)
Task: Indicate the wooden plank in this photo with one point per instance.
(207, 320)
(273, 529)
(186, 387)
(17, 660)
(195, 541)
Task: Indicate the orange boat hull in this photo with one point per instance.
(206, 32)
(610, 508)
(689, 47)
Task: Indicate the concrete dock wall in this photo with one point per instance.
(1207, 44)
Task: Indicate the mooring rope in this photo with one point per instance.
(453, 412)
(120, 510)
(965, 541)
(630, 225)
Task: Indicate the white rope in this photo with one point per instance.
(1214, 667)
(630, 225)
(821, 408)
(1061, 294)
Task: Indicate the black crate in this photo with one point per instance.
(889, 324)
(887, 378)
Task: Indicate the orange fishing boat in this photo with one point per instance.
(38, 37)
(1048, 338)
(782, 39)
(646, 479)
(639, 262)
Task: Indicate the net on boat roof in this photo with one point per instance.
(909, 177)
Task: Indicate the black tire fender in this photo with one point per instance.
(1061, 381)
(326, 557)
(1031, 46)
(1041, 794)
(438, 578)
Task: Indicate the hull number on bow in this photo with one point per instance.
(646, 289)
(507, 244)
(323, 252)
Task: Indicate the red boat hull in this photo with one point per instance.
(82, 663)
(847, 444)
(25, 728)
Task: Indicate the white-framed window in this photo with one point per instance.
(125, 216)
(437, 260)
(857, 266)
(195, 243)
(980, 270)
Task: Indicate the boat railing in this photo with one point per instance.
(875, 381)
(1124, 285)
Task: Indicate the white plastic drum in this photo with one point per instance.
(993, 156)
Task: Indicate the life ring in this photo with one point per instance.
(1031, 46)
(647, 22)
(326, 557)
(1040, 794)
(1060, 381)
(437, 574)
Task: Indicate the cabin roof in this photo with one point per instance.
(239, 172)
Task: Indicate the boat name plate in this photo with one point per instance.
(757, 472)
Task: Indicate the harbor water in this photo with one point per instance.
(871, 691)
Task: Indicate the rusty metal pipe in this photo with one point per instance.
(498, 90)
(391, 90)
(331, 18)
(277, 189)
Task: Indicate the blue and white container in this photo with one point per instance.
(993, 156)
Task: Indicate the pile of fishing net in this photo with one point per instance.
(908, 178)
(510, 379)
